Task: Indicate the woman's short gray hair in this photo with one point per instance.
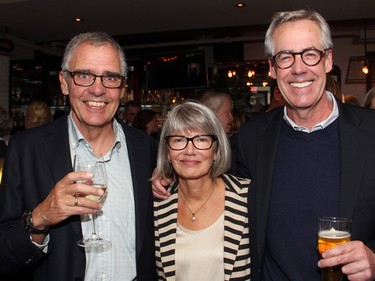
(290, 16)
(96, 39)
(187, 117)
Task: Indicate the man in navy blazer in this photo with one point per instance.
(40, 212)
(259, 142)
(314, 157)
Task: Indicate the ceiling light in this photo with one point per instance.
(240, 5)
(78, 19)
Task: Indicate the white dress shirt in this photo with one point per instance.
(116, 220)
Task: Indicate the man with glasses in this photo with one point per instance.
(312, 157)
(43, 208)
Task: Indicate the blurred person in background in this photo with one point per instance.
(239, 117)
(37, 113)
(333, 86)
(147, 121)
(130, 111)
(222, 105)
(369, 100)
(277, 98)
(351, 99)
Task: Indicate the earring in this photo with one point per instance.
(213, 162)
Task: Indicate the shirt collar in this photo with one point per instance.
(321, 125)
(76, 138)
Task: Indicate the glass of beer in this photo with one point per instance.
(333, 231)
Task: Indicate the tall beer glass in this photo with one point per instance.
(332, 231)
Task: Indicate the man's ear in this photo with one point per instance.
(328, 61)
(123, 90)
(63, 84)
(272, 68)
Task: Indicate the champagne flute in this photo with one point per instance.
(99, 180)
(333, 231)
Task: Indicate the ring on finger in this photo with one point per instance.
(75, 199)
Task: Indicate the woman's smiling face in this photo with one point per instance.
(192, 163)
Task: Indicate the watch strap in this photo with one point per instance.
(27, 223)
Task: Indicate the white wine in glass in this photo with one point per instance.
(99, 180)
(98, 198)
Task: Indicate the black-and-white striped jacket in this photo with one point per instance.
(236, 231)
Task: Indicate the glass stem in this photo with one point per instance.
(93, 224)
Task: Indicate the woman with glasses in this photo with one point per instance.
(202, 229)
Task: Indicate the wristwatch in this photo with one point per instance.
(27, 223)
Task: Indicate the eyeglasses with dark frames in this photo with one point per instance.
(310, 57)
(87, 79)
(201, 142)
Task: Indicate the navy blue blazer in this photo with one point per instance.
(38, 158)
(257, 145)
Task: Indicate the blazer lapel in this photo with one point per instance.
(140, 178)
(231, 249)
(58, 157)
(166, 225)
(57, 148)
(267, 142)
(351, 147)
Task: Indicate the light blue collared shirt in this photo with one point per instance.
(116, 220)
(320, 126)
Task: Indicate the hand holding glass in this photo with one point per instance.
(99, 180)
(333, 231)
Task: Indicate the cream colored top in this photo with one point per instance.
(200, 254)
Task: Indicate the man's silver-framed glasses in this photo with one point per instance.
(310, 57)
(201, 142)
(87, 79)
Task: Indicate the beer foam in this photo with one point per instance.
(334, 234)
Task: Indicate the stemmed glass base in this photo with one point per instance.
(93, 241)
